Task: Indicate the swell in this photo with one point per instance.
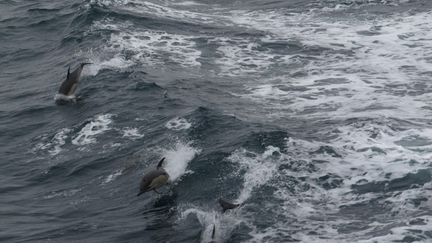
(149, 20)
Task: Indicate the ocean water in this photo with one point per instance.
(316, 115)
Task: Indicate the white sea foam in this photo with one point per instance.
(87, 135)
(131, 44)
(377, 149)
(240, 56)
(177, 124)
(178, 158)
(224, 223)
(143, 46)
(362, 151)
(64, 193)
(112, 177)
(166, 10)
(258, 169)
(303, 204)
(207, 219)
(363, 68)
(66, 98)
(186, 3)
(369, 151)
(132, 133)
(115, 62)
(154, 47)
(398, 233)
(59, 140)
(356, 4)
(55, 145)
(106, 147)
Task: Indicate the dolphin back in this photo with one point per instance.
(227, 205)
(69, 86)
(85, 63)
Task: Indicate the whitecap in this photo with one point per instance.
(112, 177)
(132, 133)
(55, 145)
(87, 135)
(178, 123)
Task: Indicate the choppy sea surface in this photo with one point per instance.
(316, 114)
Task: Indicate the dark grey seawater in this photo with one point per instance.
(316, 114)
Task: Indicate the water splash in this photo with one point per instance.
(178, 158)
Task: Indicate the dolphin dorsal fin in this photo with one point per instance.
(68, 73)
(159, 165)
(214, 231)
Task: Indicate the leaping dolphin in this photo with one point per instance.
(69, 86)
(154, 179)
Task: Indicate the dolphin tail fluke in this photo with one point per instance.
(227, 205)
(159, 165)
